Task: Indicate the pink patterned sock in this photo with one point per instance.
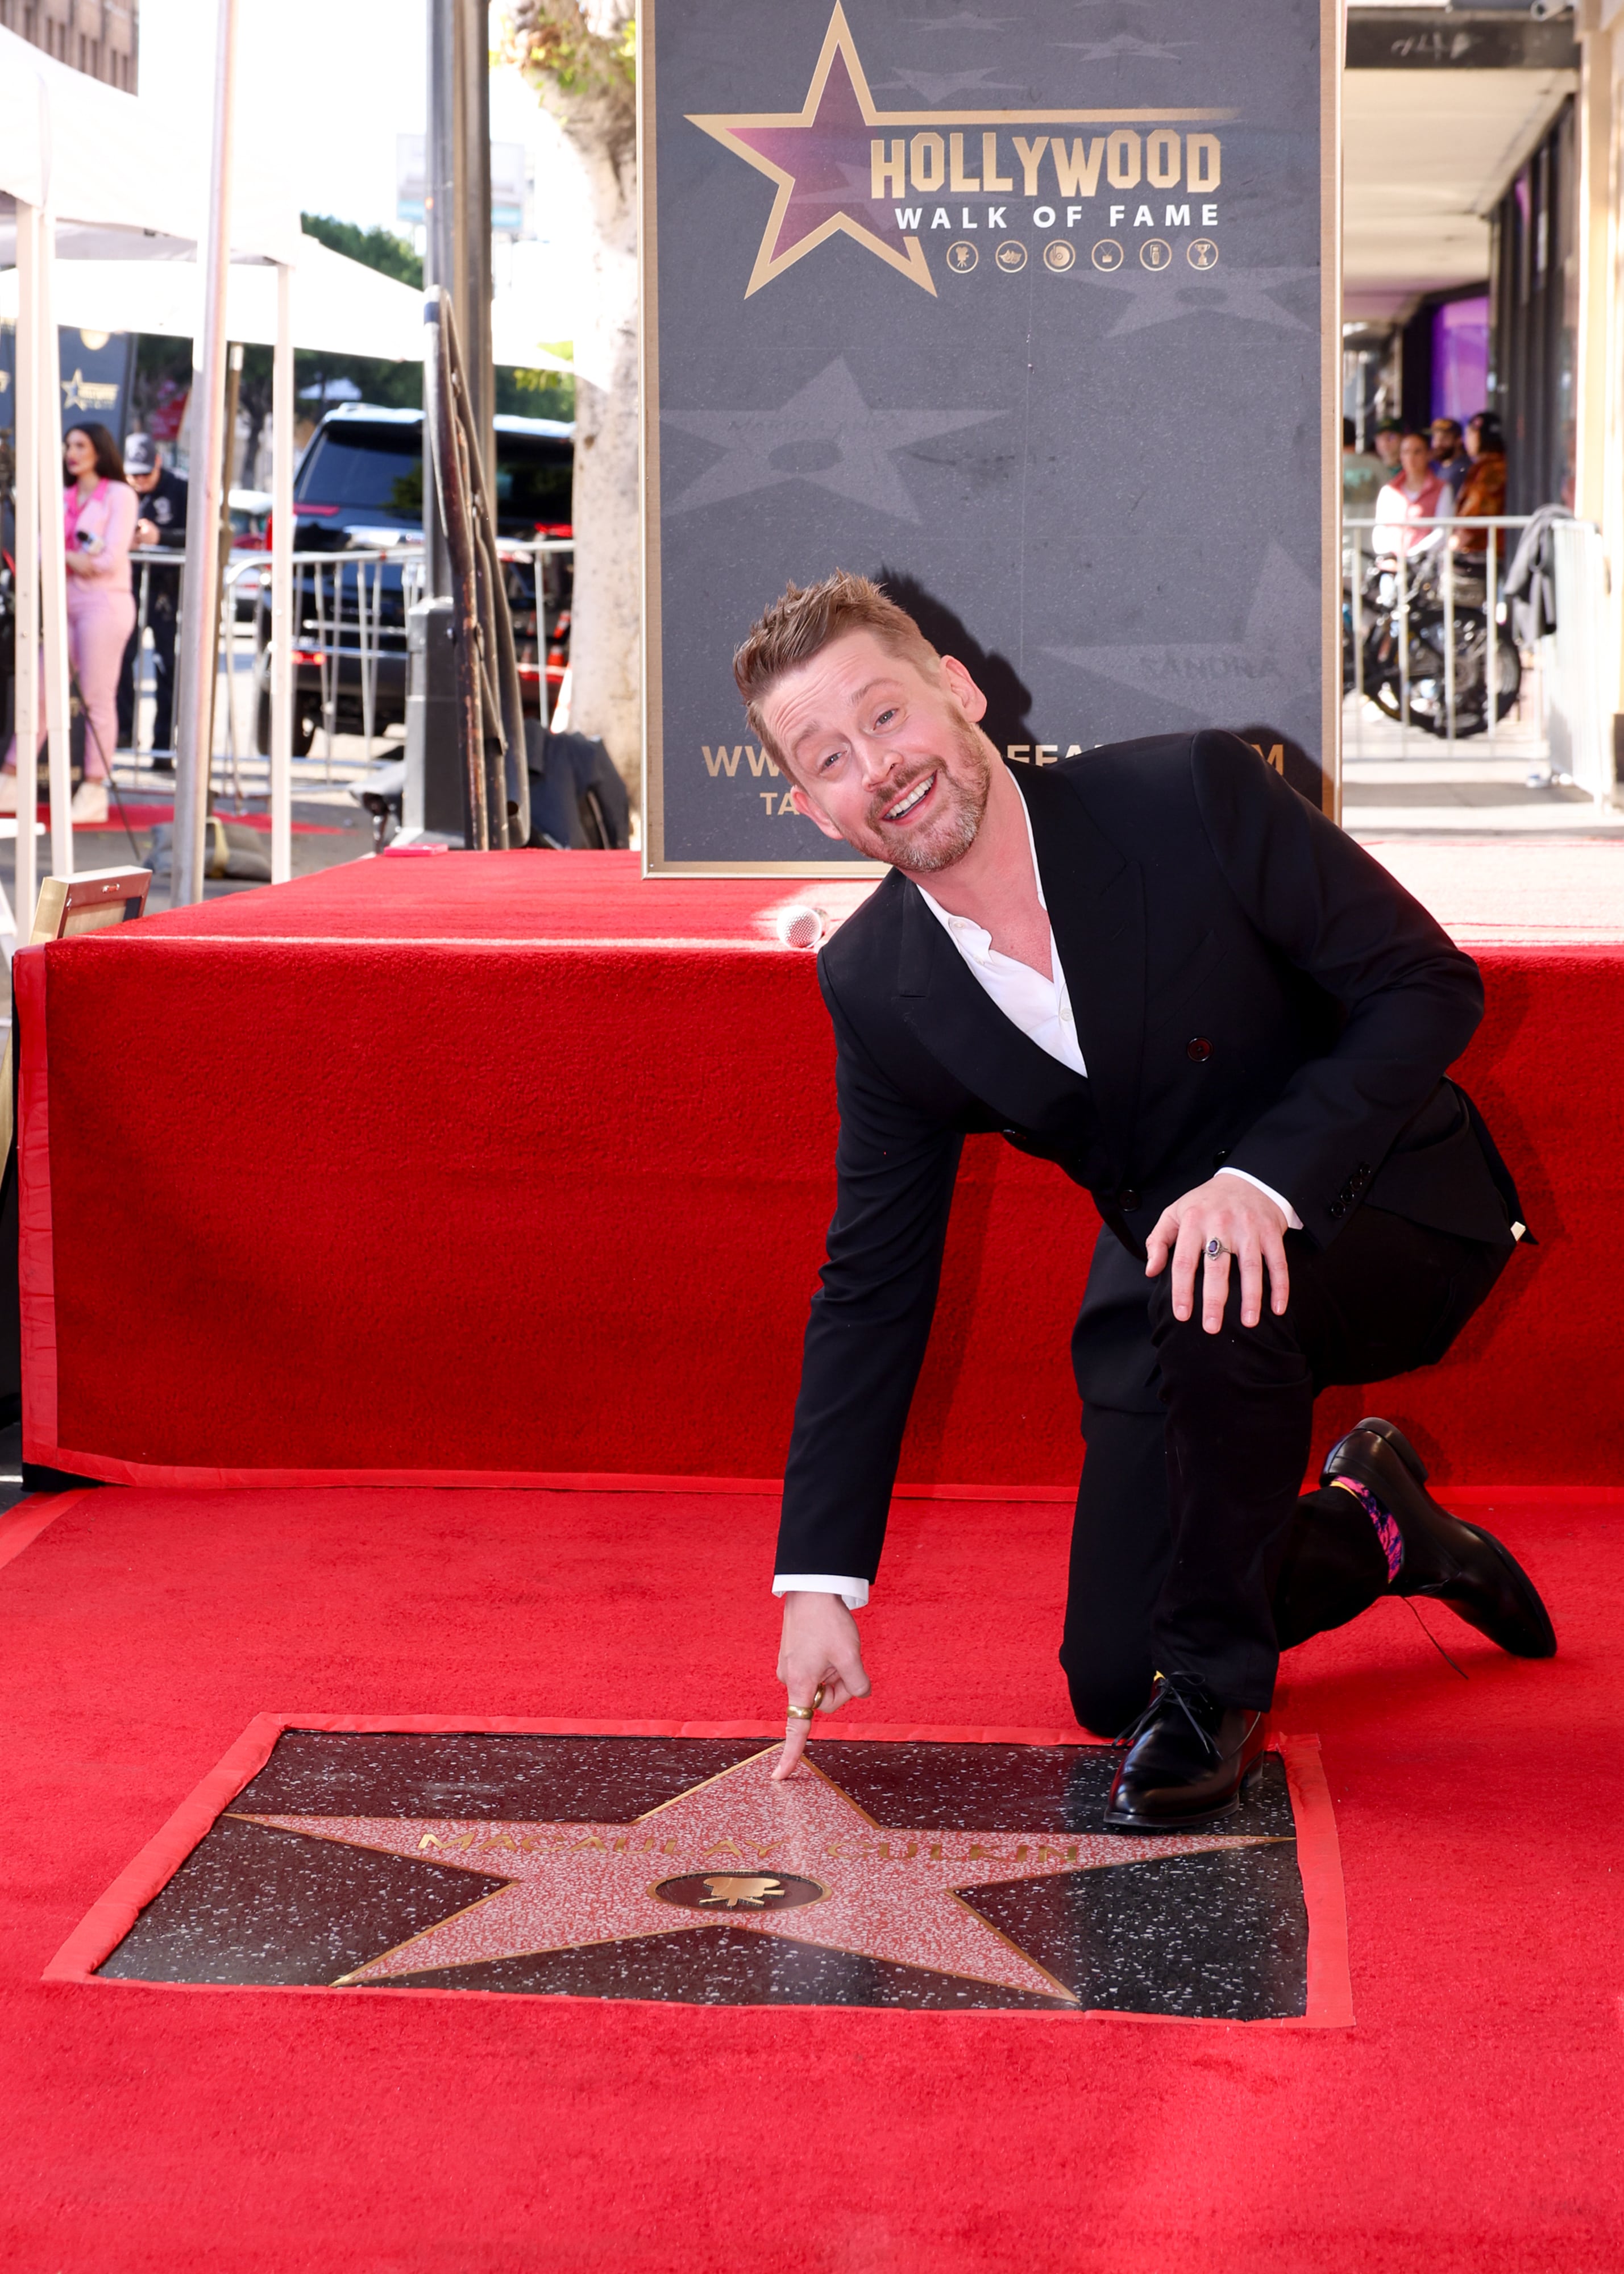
(1388, 1533)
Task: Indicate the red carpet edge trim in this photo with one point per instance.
(21, 1527)
(196, 1477)
(1329, 1992)
(1320, 1867)
(35, 1268)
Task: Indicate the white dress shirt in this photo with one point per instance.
(1042, 1008)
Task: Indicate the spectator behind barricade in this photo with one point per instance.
(1418, 495)
(99, 515)
(1449, 455)
(1389, 433)
(1363, 475)
(1484, 490)
(162, 523)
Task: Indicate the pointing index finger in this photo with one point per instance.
(797, 1729)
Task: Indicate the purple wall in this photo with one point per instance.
(1459, 359)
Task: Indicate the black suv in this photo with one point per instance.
(359, 486)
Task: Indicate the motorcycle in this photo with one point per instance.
(1405, 639)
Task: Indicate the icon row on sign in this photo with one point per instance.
(1059, 255)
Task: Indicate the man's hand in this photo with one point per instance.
(146, 532)
(820, 1649)
(1246, 1225)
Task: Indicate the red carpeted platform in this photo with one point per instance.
(493, 1168)
(1467, 2124)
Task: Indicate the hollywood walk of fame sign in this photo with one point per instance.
(918, 1873)
(1038, 316)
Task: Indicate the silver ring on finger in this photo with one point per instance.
(1215, 1247)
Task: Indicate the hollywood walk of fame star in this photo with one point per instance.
(1266, 666)
(825, 435)
(851, 1884)
(1124, 44)
(938, 86)
(965, 20)
(1216, 292)
(819, 159)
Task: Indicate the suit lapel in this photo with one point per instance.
(962, 1028)
(1096, 911)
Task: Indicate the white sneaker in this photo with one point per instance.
(90, 801)
(8, 793)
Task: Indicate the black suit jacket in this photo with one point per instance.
(1249, 987)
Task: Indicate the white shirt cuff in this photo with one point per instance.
(1293, 1220)
(852, 1593)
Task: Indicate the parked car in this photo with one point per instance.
(360, 486)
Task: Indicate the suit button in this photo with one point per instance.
(1197, 1050)
(1127, 1200)
(1337, 1209)
(1221, 1156)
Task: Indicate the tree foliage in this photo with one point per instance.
(374, 248)
(583, 61)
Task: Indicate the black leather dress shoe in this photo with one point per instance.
(1189, 1760)
(1460, 1563)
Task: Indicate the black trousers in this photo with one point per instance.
(162, 613)
(1193, 1551)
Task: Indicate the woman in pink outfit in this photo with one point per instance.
(99, 517)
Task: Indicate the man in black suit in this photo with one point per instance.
(1159, 968)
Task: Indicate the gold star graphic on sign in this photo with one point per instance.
(825, 1874)
(821, 160)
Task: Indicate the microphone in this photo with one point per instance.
(800, 924)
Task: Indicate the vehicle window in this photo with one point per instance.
(533, 477)
(377, 468)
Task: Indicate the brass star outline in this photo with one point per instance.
(839, 42)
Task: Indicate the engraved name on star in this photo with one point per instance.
(898, 1896)
(1265, 669)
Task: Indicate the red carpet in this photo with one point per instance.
(147, 817)
(613, 1098)
(1467, 2124)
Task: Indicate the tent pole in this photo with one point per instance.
(27, 889)
(53, 573)
(199, 626)
(281, 581)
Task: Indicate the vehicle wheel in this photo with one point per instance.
(594, 827)
(303, 729)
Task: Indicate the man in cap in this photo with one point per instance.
(162, 494)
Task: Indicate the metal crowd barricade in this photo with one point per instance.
(1571, 669)
(345, 593)
(143, 562)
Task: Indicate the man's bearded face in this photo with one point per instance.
(884, 755)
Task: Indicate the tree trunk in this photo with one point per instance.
(605, 649)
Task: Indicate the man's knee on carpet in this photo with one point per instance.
(1107, 1693)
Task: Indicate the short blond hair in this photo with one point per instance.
(803, 621)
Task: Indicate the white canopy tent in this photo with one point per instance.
(340, 306)
(85, 170)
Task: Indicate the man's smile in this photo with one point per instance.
(911, 800)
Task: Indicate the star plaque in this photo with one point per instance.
(923, 1873)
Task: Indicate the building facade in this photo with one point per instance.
(98, 37)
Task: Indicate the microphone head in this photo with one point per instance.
(800, 924)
